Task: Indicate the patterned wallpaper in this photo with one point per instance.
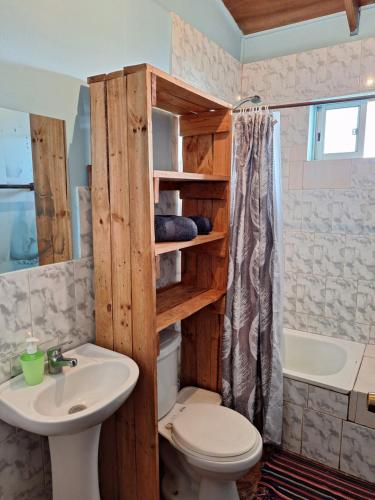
(329, 206)
(203, 63)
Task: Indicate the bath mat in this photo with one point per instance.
(286, 476)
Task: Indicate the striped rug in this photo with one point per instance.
(287, 476)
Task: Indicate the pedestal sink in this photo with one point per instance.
(69, 408)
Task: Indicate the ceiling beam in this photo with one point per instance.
(253, 16)
(352, 13)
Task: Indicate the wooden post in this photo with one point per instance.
(101, 220)
(352, 13)
(145, 345)
(125, 270)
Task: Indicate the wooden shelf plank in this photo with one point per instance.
(168, 175)
(171, 246)
(180, 301)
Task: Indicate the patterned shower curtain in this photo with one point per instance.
(252, 367)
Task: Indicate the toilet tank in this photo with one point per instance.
(168, 361)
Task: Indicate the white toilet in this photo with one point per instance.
(206, 447)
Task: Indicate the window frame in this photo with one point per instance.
(318, 132)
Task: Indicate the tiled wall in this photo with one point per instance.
(56, 303)
(329, 206)
(316, 425)
(202, 63)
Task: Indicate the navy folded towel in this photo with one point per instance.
(174, 228)
(204, 224)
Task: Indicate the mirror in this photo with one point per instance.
(35, 209)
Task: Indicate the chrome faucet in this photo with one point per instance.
(56, 360)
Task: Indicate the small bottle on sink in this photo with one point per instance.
(32, 361)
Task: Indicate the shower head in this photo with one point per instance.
(254, 99)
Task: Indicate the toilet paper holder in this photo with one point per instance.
(371, 402)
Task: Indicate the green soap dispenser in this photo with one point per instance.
(32, 361)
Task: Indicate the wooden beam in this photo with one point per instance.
(145, 345)
(253, 16)
(352, 13)
(205, 123)
(103, 274)
(118, 173)
(101, 218)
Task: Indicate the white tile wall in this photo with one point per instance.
(330, 402)
(56, 302)
(321, 437)
(329, 244)
(321, 425)
(357, 451)
(292, 427)
(329, 206)
(327, 174)
(295, 391)
(201, 62)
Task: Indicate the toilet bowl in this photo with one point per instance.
(205, 448)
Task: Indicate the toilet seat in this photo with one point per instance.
(213, 433)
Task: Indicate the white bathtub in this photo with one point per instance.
(319, 360)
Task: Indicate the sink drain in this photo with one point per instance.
(77, 408)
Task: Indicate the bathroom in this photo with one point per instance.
(313, 68)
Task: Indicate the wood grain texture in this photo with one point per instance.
(168, 175)
(202, 190)
(145, 346)
(101, 217)
(205, 123)
(118, 172)
(120, 214)
(181, 301)
(259, 15)
(352, 13)
(129, 313)
(171, 246)
(206, 267)
(52, 203)
(172, 94)
(108, 460)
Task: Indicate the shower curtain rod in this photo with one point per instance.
(304, 103)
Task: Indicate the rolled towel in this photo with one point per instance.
(174, 228)
(204, 224)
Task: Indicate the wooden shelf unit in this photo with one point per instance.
(129, 310)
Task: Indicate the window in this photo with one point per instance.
(343, 130)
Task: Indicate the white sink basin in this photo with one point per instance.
(69, 408)
(96, 387)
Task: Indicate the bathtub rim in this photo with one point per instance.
(342, 381)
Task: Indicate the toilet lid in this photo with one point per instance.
(213, 431)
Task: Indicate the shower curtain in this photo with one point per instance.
(252, 367)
